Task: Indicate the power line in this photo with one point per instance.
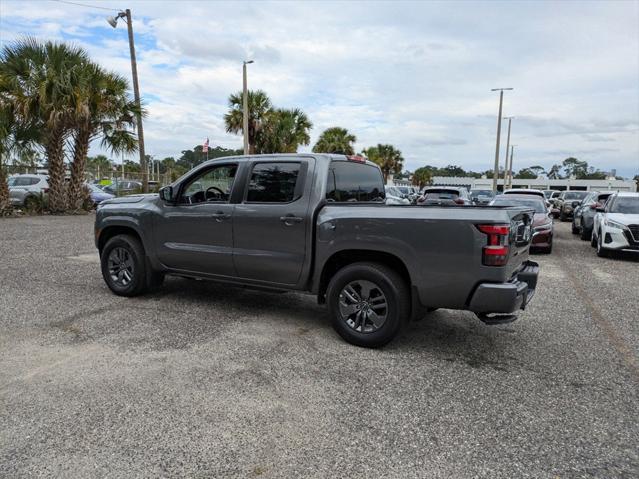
(84, 5)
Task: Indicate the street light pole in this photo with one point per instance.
(496, 169)
(113, 21)
(510, 168)
(509, 118)
(245, 108)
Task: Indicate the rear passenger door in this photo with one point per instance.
(270, 224)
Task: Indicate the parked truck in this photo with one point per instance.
(318, 223)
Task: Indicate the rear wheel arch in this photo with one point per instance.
(345, 258)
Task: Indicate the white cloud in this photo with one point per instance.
(417, 75)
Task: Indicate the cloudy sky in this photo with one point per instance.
(415, 74)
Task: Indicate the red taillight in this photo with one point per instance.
(459, 201)
(496, 251)
(357, 158)
(45, 190)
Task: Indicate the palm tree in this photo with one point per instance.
(335, 140)
(283, 131)
(388, 158)
(36, 79)
(422, 177)
(259, 105)
(103, 109)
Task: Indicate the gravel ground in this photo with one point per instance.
(207, 380)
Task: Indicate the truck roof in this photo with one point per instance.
(317, 156)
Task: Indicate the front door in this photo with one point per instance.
(196, 234)
(270, 225)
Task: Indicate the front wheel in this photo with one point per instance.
(585, 234)
(124, 267)
(575, 230)
(601, 251)
(563, 217)
(369, 304)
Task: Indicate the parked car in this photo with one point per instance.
(481, 197)
(394, 196)
(123, 187)
(584, 215)
(551, 194)
(616, 225)
(444, 195)
(25, 190)
(542, 223)
(567, 201)
(98, 195)
(318, 223)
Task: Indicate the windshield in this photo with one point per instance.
(93, 188)
(12, 180)
(481, 193)
(628, 205)
(441, 195)
(537, 205)
(575, 195)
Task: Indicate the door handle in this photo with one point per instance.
(220, 215)
(290, 219)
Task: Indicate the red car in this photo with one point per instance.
(542, 223)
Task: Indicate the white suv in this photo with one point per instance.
(23, 189)
(616, 226)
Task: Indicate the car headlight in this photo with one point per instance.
(614, 224)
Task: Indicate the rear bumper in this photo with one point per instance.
(506, 298)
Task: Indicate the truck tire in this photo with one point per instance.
(124, 266)
(369, 304)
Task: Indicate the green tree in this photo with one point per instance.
(422, 177)
(259, 105)
(103, 110)
(554, 173)
(574, 167)
(283, 131)
(526, 174)
(538, 170)
(37, 80)
(388, 158)
(335, 140)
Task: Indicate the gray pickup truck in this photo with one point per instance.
(319, 224)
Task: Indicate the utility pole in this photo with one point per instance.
(496, 169)
(113, 21)
(506, 167)
(245, 112)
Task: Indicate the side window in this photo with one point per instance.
(23, 181)
(212, 185)
(349, 181)
(273, 183)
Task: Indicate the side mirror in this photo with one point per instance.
(166, 194)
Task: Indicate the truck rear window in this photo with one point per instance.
(350, 181)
